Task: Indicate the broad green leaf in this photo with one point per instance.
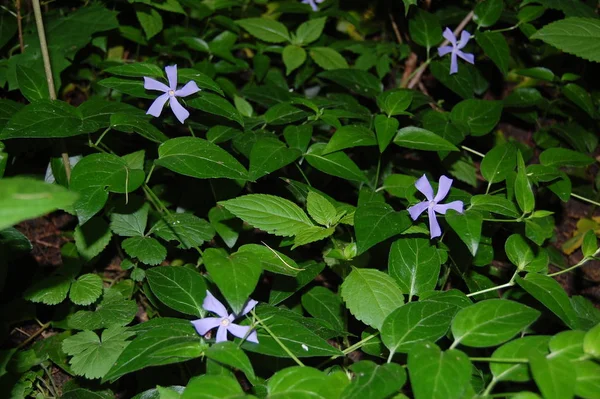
(97, 113)
(385, 128)
(188, 229)
(494, 203)
(349, 137)
(327, 58)
(298, 137)
(164, 341)
(557, 157)
(494, 45)
(92, 357)
(518, 251)
(284, 114)
(479, 117)
(523, 189)
(467, 226)
(401, 186)
(195, 157)
(130, 220)
(216, 105)
(488, 12)
(580, 97)
(146, 249)
(356, 80)
(374, 381)
(113, 310)
(462, 82)
(272, 214)
(136, 70)
(268, 155)
(86, 289)
(568, 345)
(371, 295)
(336, 164)
(438, 375)
(591, 342)
(320, 209)
(588, 315)
(179, 288)
(499, 162)
(128, 123)
(549, 292)
(310, 30)
(212, 386)
(236, 275)
(517, 349)
(395, 102)
(421, 139)
(578, 36)
(92, 238)
(265, 29)
(271, 260)
(416, 322)
(425, 29)
(415, 265)
(7, 109)
(229, 354)
(293, 58)
(312, 234)
(554, 380)
(491, 322)
(132, 87)
(151, 21)
(375, 222)
(23, 198)
(32, 84)
(323, 304)
(296, 382)
(587, 383)
(44, 119)
(203, 81)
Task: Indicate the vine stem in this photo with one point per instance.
(20, 25)
(34, 335)
(498, 287)
(575, 266)
(276, 338)
(585, 199)
(39, 22)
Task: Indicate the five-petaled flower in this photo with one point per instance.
(455, 49)
(313, 4)
(432, 204)
(170, 94)
(224, 321)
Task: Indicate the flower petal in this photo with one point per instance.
(180, 112)
(248, 307)
(172, 76)
(190, 88)
(443, 208)
(241, 331)
(442, 51)
(444, 186)
(470, 58)
(212, 304)
(153, 84)
(464, 38)
(434, 226)
(449, 35)
(453, 63)
(206, 324)
(424, 187)
(157, 106)
(222, 334)
(416, 210)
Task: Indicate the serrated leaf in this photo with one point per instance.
(92, 238)
(147, 249)
(190, 230)
(320, 209)
(321, 303)
(415, 265)
(130, 220)
(269, 155)
(374, 381)
(375, 222)
(86, 289)
(113, 310)
(179, 288)
(578, 36)
(310, 30)
(272, 260)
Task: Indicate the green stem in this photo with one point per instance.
(585, 199)
(285, 348)
(464, 147)
(579, 264)
(498, 287)
(101, 137)
(504, 29)
(358, 345)
(498, 360)
(489, 388)
(502, 220)
(303, 175)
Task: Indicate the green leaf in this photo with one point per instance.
(151, 21)
(136, 70)
(236, 275)
(323, 304)
(310, 30)
(578, 36)
(32, 84)
(44, 119)
(23, 198)
(92, 238)
(549, 292)
(385, 128)
(213, 386)
(494, 45)
(374, 381)
(523, 190)
(375, 222)
(265, 29)
(179, 288)
(296, 382)
(554, 380)
(488, 12)
(268, 155)
(188, 229)
(272, 214)
(371, 295)
(132, 87)
(517, 349)
(312, 234)
(298, 137)
(479, 117)
(86, 289)
(421, 139)
(587, 384)
(499, 162)
(285, 286)
(7, 109)
(491, 322)
(163, 341)
(271, 260)
(216, 105)
(557, 157)
(327, 58)
(336, 164)
(591, 342)
(415, 265)
(284, 114)
(425, 29)
(146, 249)
(395, 102)
(293, 58)
(349, 137)
(568, 345)
(229, 354)
(130, 220)
(462, 82)
(203, 81)
(416, 322)
(128, 123)
(320, 209)
(518, 251)
(438, 375)
(97, 112)
(467, 226)
(494, 203)
(113, 310)
(580, 97)
(195, 157)
(356, 80)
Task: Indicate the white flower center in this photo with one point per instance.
(171, 93)
(225, 322)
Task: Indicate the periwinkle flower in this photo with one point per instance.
(432, 204)
(225, 320)
(170, 94)
(455, 49)
(313, 4)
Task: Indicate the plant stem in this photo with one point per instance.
(39, 22)
(498, 287)
(580, 263)
(359, 344)
(285, 348)
(585, 199)
(34, 335)
(472, 151)
(20, 25)
(102, 136)
(498, 360)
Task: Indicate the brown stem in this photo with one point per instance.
(20, 25)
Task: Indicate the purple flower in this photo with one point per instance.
(224, 321)
(313, 3)
(455, 49)
(432, 204)
(171, 94)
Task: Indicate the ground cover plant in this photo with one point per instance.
(299, 199)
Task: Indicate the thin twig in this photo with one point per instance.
(33, 336)
(20, 25)
(396, 30)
